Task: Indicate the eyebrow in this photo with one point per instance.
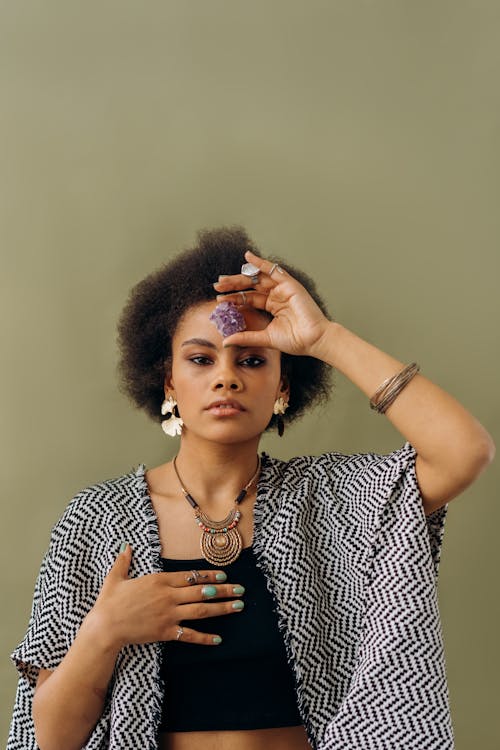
(210, 344)
(199, 342)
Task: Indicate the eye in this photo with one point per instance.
(200, 360)
(252, 361)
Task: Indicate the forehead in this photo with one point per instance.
(196, 321)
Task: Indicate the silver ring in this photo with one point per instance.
(248, 269)
(244, 298)
(195, 575)
(275, 267)
(180, 632)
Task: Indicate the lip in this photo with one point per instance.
(225, 407)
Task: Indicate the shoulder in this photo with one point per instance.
(100, 503)
(341, 465)
(348, 481)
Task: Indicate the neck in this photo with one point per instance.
(215, 474)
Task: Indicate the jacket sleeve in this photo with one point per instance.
(398, 696)
(42, 646)
(49, 631)
(404, 503)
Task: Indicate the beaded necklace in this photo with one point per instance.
(220, 541)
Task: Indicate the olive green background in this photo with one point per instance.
(358, 139)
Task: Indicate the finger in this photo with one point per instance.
(202, 610)
(238, 281)
(249, 339)
(269, 267)
(209, 591)
(189, 635)
(253, 299)
(121, 565)
(192, 577)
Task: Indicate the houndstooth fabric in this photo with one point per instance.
(351, 561)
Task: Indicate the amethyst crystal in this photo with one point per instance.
(228, 319)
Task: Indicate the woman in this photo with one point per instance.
(310, 617)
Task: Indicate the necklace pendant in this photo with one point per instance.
(221, 547)
(220, 541)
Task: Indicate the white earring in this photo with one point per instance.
(172, 425)
(280, 406)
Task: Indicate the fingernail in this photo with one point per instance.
(217, 639)
(123, 546)
(220, 296)
(220, 577)
(221, 278)
(238, 605)
(238, 589)
(208, 591)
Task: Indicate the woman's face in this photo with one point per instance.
(223, 394)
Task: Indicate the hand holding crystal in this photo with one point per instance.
(298, 323)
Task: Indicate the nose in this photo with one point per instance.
(227, 379)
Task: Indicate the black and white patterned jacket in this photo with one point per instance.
(352, 563)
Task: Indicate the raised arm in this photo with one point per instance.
(452, 447)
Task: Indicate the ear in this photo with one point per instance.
(168, 385)
(284, 390)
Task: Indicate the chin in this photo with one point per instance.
(227, 434)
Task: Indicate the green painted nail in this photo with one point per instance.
(238, 605)
(220, 577)
(217, 639)
(123, 546)
(208, 591)
(238, 589)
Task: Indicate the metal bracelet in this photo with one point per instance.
(392, 387)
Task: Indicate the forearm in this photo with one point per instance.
(69, 703)
(440, 429)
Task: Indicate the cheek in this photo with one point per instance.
(182, 373)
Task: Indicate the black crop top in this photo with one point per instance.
(246, 682)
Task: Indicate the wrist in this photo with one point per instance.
(324, 346)
(96, 628)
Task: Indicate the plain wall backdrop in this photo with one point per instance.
(359, 139)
